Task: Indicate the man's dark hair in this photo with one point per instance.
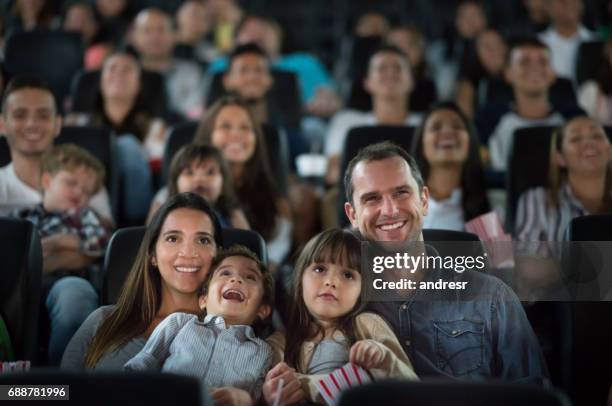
(391, 49)
(524, 42)
(250, 48)
(379, 152)
(23, 81)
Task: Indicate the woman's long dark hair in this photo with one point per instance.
(140, 297)
(256, 190)
(336, 246)
(473, 186)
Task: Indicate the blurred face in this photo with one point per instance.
(249, 76)
(372, 24)
(236, 292)
(585, 148)
(184, 250)
(68, 189)
(491, 50)
(409, 42)
(153, 35)
(389, 75)
(446, 139)
(470, 20)
(120, 77)
(193, 20)
(110, 8)
(387, 205)
(234, 134)
(529, 70)
(30, 121)
(261, 33)
(203, 178)
(565, 12)
(79, 18)
(330, 291)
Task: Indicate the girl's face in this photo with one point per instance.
(585, 147)
(330, 291)
(446, 140)
(202, 178)
(234, 135)
(184, 250)
(120, 77)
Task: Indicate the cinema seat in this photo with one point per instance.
(117, 388)
(455, 393)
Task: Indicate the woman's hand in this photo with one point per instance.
(292, 389)
(227, 396)
(366, 354)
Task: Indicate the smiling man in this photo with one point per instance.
(477, 333)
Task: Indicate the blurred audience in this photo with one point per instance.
(595, 96)
(154, 39)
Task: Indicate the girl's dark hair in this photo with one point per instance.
(256, 190)
(140, 297)
(190, 154)
(473, 186)
(336, 246)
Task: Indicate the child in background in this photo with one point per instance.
(326, 327)
(72, 235)
(237, 298)
(201, 169)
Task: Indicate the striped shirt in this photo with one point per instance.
(538, 220)
(217, 354)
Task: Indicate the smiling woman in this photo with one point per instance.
(447, 151)
(172, 262)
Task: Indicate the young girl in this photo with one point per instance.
(201, 169)
(326, 326)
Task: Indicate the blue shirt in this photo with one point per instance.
(478, 333)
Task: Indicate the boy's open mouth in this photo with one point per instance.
(232, 294)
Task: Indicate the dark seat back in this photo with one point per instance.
(284, 94)
(360, 137)
(454, 393)
(20, 284)
(107, 388)
(589, 60)
(591, 334)
(528, 166)
(123, 248)
(54, 55)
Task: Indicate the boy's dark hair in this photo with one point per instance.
(250, 48)
(524, 42)
(70, 157)
(267, 278)
(379, 152)
(23, 81)
(390, 49)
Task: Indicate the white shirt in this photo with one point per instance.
(16, 194)
(344, 120)
(501, 141)
(445, 214)
(565, 50)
